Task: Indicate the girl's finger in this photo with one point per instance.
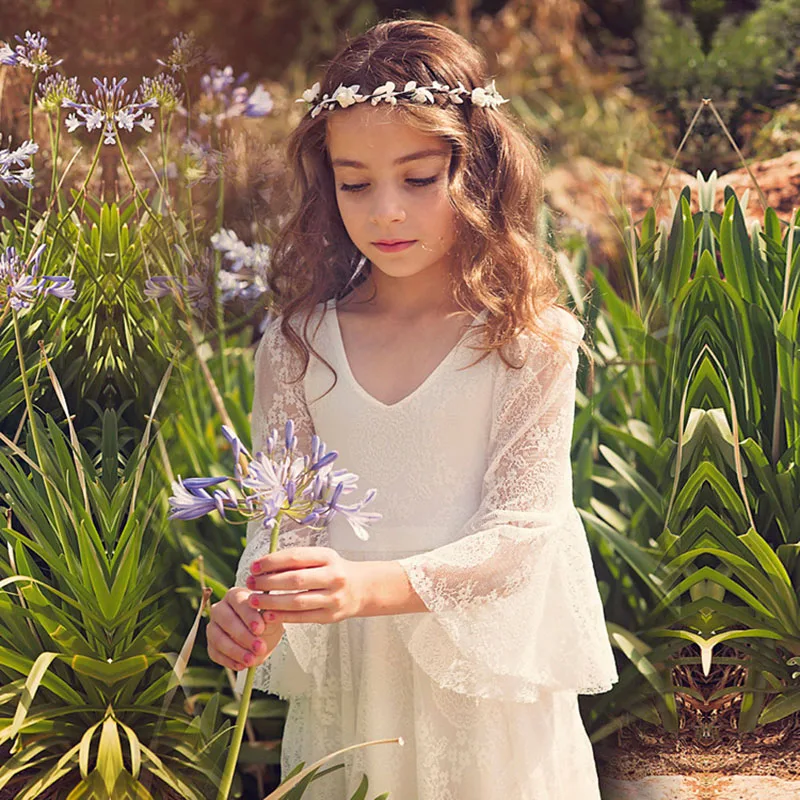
(222, 660)
(220, 641)
(292, 558)
(231, 621)
(301, 580)
(300, 601)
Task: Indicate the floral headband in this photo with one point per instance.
(344, 96)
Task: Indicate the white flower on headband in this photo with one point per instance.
(385, 92)
(419, 94)
(309, 95)
(346, 95)
(488, 97)
(459, 90)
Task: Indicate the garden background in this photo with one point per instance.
(673, 146)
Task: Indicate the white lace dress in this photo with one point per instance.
(475, 487)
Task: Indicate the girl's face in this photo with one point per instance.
(391, 189)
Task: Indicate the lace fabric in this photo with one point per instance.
(515, 626)
(514, 599)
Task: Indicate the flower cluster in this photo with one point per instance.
(109, 108)
(256, 256)
(225, 97)
(185, 53)
(54, 90)
(164, 89)
(345, 96)
(9, 159)
(303, 488)
(18, 286)
(31, 52)
(194, 291)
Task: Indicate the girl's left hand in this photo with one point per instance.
(326, 587)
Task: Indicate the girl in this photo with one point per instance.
(470, 620)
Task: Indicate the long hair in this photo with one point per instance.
(500, 261)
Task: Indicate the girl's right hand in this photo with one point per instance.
(237, 635)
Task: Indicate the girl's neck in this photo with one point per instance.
(402, 299)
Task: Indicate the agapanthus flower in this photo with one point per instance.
(185, 53)
(31, 52)
(279, 480)
(53, 90)
(224, 97)
(18, 284)
(9, 159)
(108, 108)
(194, 291)
(233, 286)
(255, 256)
(164, 89)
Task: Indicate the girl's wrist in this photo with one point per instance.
(386, 590)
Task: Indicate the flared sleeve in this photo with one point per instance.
(513, 601)
(288, 670)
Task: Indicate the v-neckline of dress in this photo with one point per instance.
(337, 330)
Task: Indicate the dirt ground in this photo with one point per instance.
(708, 740)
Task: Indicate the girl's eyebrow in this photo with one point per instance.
(346, 162)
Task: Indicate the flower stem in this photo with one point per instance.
(30, 191)
(244, 703)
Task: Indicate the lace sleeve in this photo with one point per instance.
(514, 600)
(275, 399)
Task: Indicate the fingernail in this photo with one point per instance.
(248, 659)
(255, 567)
(254, 601)
(269, 615)
(258, 646)
(251, 582)
(256, 627)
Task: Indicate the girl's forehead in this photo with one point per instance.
(377, 132)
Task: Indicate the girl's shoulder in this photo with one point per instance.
(558, 322)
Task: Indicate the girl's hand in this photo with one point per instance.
(237, 635)
(325, 587)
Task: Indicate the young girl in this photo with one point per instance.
(470, 620)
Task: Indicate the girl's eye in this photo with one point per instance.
(358, 187)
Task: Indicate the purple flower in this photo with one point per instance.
(31, 52)
(194, 291)
(159, 286)
(164, 89)
(109, 108)
(185, 53)
(224, 97)
(9, 159)
(18, 285)
(278, 482)
(53, 90)
(189, 503)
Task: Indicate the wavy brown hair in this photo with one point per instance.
(500, 262)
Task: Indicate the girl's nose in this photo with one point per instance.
(387, 209)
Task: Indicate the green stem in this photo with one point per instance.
(30, 191)
(164, 151)
(218, 307)
(188, 187)
(244, 703)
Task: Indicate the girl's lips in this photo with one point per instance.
(393, 248)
